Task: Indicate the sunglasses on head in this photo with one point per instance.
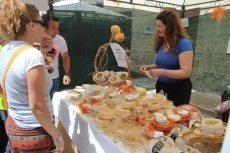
(41, 22)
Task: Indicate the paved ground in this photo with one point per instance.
(206, 102)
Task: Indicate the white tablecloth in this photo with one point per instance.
(86, 136)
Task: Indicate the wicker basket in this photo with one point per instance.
(191, 138)
(101, 53)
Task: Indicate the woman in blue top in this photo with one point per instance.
(173, 58)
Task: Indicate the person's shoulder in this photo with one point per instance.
(59, 38)
(184, 40)
(32, 53)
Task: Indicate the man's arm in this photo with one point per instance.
(66, 61)
(66, 67)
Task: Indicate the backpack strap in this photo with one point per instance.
(15, 54)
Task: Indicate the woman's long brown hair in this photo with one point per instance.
(174, 30)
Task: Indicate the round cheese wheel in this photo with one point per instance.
(163, 102)
(167, 143)
(166, 127)
(128, 82)
(94, 88)
(141, 91)
(185, 149)
(114, 80)
(161, 119)
(180, 141)
(112, 101)
(211, 125)
(128, 104)
(145, 111)
(148, 132)
(138, 109)
(141, 100)
(106, 113)
(190, 108)
(177, 134)
(153, 106)
(169, 104)
(101, 123)
(122, 112)
(117, 120)
(174, 117)
(184, 114)
(99, 76)
(98, 106)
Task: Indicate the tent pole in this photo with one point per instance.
(50, 3)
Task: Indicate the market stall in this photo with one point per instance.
(96, 124)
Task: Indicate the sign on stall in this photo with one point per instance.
(119, 54)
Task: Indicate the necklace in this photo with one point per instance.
(165, 49)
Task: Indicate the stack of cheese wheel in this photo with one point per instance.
(148, 131)
(105, 115)
(177, 134)
(113, 98)
(185, 149)
(195, 120)
(141, 100)
(99, 106)
(97, 99)
(138, 109)
(129, 101)
(122, 112)
(163, 127)
(162, 144)
(95, 94)
(128, 87)
(75, 96)
(143, 119)
(184, 114)
(190, 108)
(85, 107)
(153, 102)
(169, 104)
(156, 102)
(172, 115)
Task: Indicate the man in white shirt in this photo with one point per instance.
(51, 24)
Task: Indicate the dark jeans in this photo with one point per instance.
(179, 92)
(4, 143)
(55, 87)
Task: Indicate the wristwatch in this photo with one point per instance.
(67, 73)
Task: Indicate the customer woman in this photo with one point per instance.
(29, 124)
(173, 58)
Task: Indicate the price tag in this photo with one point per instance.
(158, 134)
(184, 112)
